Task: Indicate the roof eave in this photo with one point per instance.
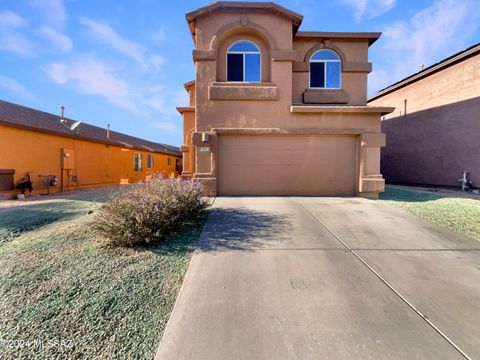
(184, 109)
(370, 36)
(189, 84)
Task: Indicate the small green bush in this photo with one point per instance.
(149, 212)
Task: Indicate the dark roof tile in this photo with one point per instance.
(24, 117)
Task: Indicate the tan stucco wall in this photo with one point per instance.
(188, 168)
(353, 83)
(258, 107)
(191, 95)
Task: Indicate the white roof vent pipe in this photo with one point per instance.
(62, 112)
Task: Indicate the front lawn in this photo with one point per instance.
(63, 294)
(456, 213)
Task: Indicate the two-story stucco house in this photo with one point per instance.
(277, 111)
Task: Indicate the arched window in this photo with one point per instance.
(325, 70)
(243, 62)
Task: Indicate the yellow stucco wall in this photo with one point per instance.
(95, 164)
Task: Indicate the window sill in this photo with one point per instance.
(243, 91)
(325, 96)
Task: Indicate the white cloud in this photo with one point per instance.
(53, 11)
(11, 38)
(92, 77)
(14, 87)
(9, 19)
(105, 34)
(430, 35)
(165, 126)
(156, 61)
(164, 101)
(369, 8)
(159, 36)
(57, 73)
(58, 40)
(157, 103)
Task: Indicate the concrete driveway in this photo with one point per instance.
(325, 278)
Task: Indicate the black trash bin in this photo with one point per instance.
(6, 179)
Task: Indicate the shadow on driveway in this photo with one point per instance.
(242, 229)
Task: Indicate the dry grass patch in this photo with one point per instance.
(458, 214)
(59, 282)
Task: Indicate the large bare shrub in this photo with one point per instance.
(150, 211)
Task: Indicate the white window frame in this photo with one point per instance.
(339, 60)
(140, 168)
(152, 157)
(244, 62)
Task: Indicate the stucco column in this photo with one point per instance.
(205, 147)
(371, 180)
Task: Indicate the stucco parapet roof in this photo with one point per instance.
(370, 36)
(341, 109)
(205, 10)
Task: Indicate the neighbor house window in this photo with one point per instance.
(137, 162)
(150, 161)
(169, 161)
(243, 62)
(325, 70)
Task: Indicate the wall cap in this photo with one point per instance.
(289, 131)
(341, 109)
(184, 109)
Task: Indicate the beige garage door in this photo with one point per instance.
(287, 165)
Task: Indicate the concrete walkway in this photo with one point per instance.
(325, 278)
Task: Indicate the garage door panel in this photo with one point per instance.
(287, 165)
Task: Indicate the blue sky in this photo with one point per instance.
(125, 62)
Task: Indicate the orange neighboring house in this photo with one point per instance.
(278, 111)
(59, 154)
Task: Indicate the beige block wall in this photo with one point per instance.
(456, 83)
(438, 137)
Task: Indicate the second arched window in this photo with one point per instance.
(325, 70)
(244, 62)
